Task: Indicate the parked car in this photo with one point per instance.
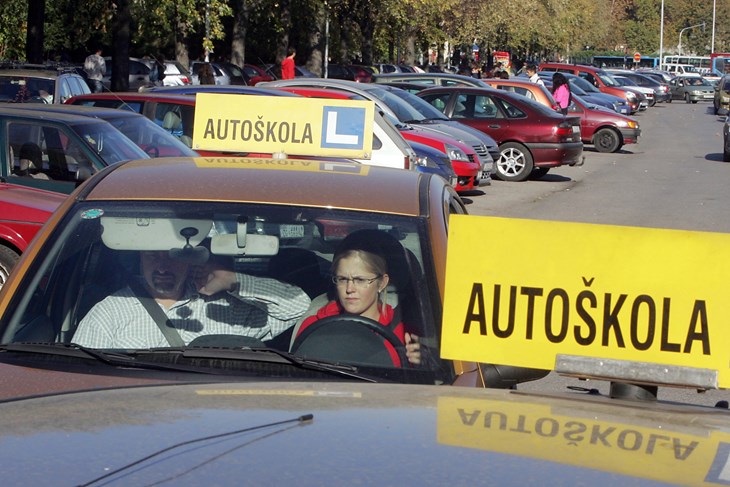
(339, 71)
(26, 83)
(532, 137)
(255, 74)
(176, 74)
(600, 79)
(631, 84)
(225, 73)
(601, 126)
(408, 108)
(659, 88)
(139, 74)
(721, 100)
(433, 161)
(361, 73)
(430, 79)
(657, 74)
(152, 138)
(24, 210)
(691, 88)
(69, 147)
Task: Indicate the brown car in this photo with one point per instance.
(523, 87)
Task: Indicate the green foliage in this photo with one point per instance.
(13, 14)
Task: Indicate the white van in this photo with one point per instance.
(677, 69)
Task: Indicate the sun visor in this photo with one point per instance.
(253, 244)
(123, 233)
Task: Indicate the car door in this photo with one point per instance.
(483, 112)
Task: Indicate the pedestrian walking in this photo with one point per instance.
(287, 65)
(95, 68)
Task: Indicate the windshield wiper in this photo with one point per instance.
(272, 355)
(69, 350)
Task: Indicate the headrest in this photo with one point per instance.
(172, 121)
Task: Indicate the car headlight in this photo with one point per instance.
(456, 154)
(425, 161)
(630, 96)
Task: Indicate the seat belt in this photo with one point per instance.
(172, 335)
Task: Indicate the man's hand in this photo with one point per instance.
(413, 349)
(213, 277)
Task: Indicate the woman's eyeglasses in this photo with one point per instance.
(356, 281)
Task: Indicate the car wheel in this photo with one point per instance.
(686, 98)
(606, 140)
(669, 100)
(8, 258)
(515, 162)
(726, 156)
(539, 172)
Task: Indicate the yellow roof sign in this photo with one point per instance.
(557, 290)
(291, 125)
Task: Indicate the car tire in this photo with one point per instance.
(669, 100)
(515, 162)
(607, 140)
(8, 259)
(686, 98)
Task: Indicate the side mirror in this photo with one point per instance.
(508, 376)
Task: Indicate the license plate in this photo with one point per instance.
(576, 129)
(291, 231)
(707, 95)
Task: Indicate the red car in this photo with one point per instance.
(23, 211)
(175, 113)
(532, 138)
(256, 74)
(464, 159)
(607, 130)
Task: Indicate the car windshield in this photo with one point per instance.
(109, 143)
(407, 106)
(23, 89)
(585, 85)
(150, 137)
(84, 291)
(607, 79)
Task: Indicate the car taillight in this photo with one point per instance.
(564, 130)
(185, 80)
(407, 162)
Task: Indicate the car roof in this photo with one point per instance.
(58, 116)
(314, 182)
(132, 96)
(243, 90)
(86, 111)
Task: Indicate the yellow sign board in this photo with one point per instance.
(284, 124)
(629, 445)
(583, 290)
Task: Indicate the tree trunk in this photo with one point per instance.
(182, 54)
(317, 40)
(283, 44)
(240, 24)
(34, 34)
(120, 46)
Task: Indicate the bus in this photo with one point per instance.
(701, 64)
(720, 63)
(624, 62)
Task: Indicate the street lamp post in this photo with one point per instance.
(661, 38)
(679, 48)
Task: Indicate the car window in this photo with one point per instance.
(438, 101)
(57, 156)
(484, 106)
(21, 89)
(137, 68)
(176, 119)
(512, 110)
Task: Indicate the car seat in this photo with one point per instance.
(31, 152)
(172, 123)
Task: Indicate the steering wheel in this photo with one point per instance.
(350, 339)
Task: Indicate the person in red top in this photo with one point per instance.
(287, 65)
(361, 279)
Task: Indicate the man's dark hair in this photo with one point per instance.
(531, 67)
(290, 51)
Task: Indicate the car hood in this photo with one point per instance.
(33, 205)
(458, 131)
(369, 434)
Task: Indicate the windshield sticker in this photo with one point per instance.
(92, 214)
